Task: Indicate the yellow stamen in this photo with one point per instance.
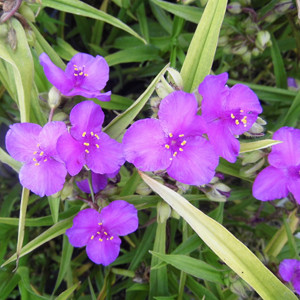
(100, 240)
(180, 149)
(183, 143)
(42, 153)
(167, 146)
(92, 133)
(97, 136)
(45, 159)
(171, 158)
(98, 232)
(237, 122)
(232, 116)
(35, 152)
(105, 233)
(174, 154)
(76, 69)
(75, 74)
(87, 151)
(92, 237)
(81, 73)
(181, 135)
(84, 134)
(241, 111)
(244, 120)
(100, 223)
(86, 74)
(34, 159)
(111, 237)
(86, 144)
(36, 164)
(75, 66)
(97, 145)
(170, 135)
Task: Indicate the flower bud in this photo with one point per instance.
(246, 57)
(54, 97)
(143, 189)
(251, 157)
(67, 191)
(30, 35)
(26, 11)
(223, 41)
(163, 88)
(60, 116)
(251, 170)
(175, 214)
(163, 212)
(175, 78)
(255, 52)
(234, 8)
(239, 48)
(262, 40)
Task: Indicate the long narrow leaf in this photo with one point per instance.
(234, 253)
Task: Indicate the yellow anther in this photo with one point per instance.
(241, 111)
(237, 122)
(183, 143)
(180, 149)
(45, 159)
(100, 240)
(244, 120)
(170, 135)
(181, 135)
(34, 159)
(76, 69)
(84, 134)
(167, 146)
(86, 144)
(85, 74)
(81, 73)
(36, 164)
(38, 145)
(87, 151)
(100, 223)
(42, 153)
(35, 152)
(98, 232)
(171, 158)
(175, 153)
(232, 116)
(97, 146)
(97, 136)
(75, 66)
(92, 237)
(105, 233)
(111, 237)
(75, 74)
(92, 133)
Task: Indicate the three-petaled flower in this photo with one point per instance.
(228, 112)
(43, 172)
(289, 270)
(85, 75)
(100, 232)
(173, 142)
(284, 169)
(86, 144)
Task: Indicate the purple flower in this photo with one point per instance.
(100, 232)
(292, 83)
(174, 142)
(85, 75)
(43, 172)
(284, 169)
(86, 144)
(228, 112)
(99, 182)
(289, 270)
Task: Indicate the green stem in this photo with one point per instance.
(91, 187)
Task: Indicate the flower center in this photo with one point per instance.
(175, 144)
(239, 118)
(102, 234)
(90, 140)
(79, 74)
(39, 156)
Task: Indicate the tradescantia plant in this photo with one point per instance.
(180, 240)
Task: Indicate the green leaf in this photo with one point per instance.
(54, 203)
(134, 54)
(115, 128)
(252, 146)
(6, 159)
(82, 9)
(192, 266)
(279, 69)
(234, 253)
(280, 238)
(189, 13)
(67, 293)
(201, 52)
(22, 63)
(54, 231)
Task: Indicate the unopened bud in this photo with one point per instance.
(163, 88)
(67, 191)
(175, 214)
(263, 39)
(234, 8)
(143, 189)
(27, 12)
(54, 97)
(223, 41)
(239, 49)
(30, 35)
(246, 57)
(60, 116)
(163, 212)
(251, 170)
(251, 157)
(175, 78)
(255, 52)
